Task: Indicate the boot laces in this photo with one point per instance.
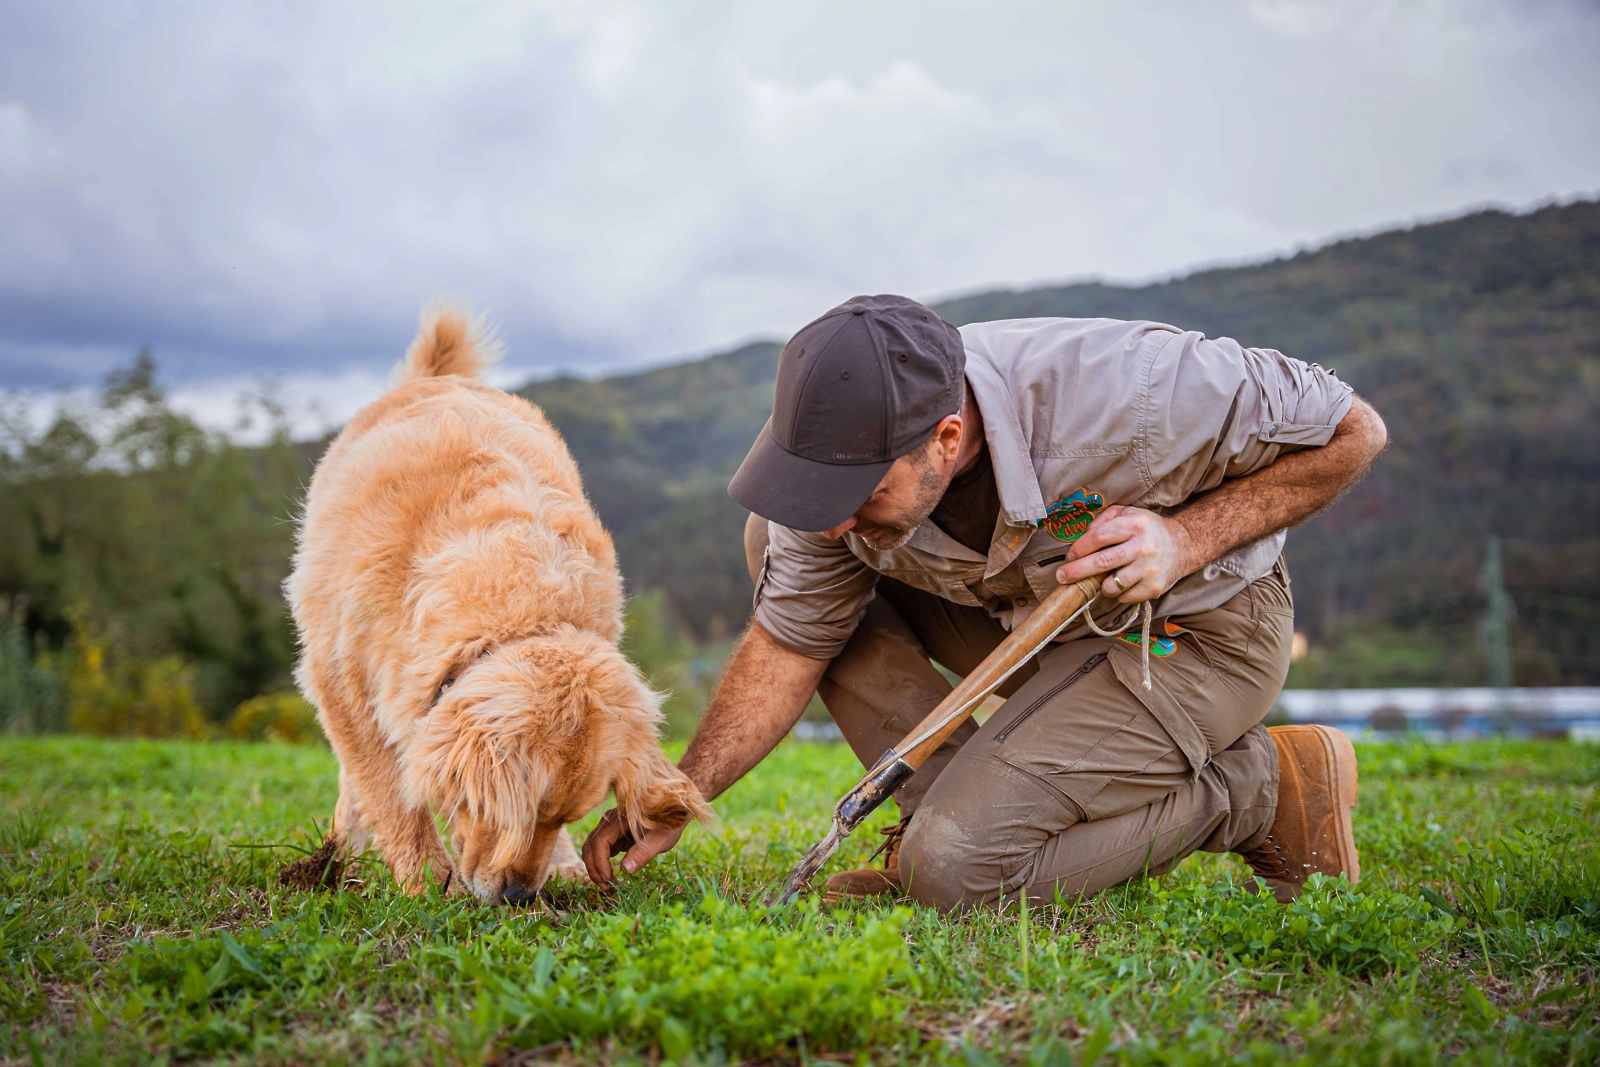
(891, 842)
(1267, 859)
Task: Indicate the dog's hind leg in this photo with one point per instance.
(565, 861)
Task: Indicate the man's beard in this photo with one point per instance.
(885, 537)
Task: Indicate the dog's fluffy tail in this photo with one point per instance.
(450, 342)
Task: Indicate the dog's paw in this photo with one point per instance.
(565, 863)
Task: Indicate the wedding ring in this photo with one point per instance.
(1120, 587)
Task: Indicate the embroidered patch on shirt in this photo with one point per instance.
(1069, 518)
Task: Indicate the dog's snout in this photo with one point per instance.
(515, 893)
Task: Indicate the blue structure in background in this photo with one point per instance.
(1449, 714)
(1434, 714)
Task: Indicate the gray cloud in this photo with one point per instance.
(279, 187)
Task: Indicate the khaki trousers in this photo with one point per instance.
(1078, 782)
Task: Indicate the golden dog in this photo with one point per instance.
(459, 606)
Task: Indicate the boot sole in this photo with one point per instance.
(1347, 787)
(860, 885)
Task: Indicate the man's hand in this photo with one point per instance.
(612, 836)
(1148, 553)
(1145, 553)
(761, 696)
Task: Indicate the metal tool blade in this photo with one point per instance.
(809, 865)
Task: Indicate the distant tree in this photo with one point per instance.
(169, 538)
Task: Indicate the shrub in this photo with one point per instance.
(112, 693)
(287, 718)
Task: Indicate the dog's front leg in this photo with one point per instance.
(350, 832)
(405, 836)
(410, 845)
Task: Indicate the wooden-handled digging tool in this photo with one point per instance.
(901, 761)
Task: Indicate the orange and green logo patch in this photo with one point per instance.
(1160, 647)
(1069, 518)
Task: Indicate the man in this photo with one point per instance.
(919, 489)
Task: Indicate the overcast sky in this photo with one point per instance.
(277, 188)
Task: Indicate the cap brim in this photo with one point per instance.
(801, 493)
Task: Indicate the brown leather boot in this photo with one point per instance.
(1311, 833)
(869, 881)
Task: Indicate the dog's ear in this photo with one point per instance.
(652, 794)
(478, 761)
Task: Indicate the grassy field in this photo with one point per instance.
(139, 919)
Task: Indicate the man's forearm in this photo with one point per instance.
(1289, 491)
(763, 693)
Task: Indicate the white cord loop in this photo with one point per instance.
(1144, 642)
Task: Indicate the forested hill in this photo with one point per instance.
(147, 554)
(656, 450)
(1477, 338)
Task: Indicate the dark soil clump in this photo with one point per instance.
(321, 870)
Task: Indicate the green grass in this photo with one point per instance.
(139, 919)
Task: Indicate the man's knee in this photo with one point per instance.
(941, 864)
(756, 538)
(945, 865)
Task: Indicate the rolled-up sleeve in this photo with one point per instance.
(1219, 410)
(811, 592)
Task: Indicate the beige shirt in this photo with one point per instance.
(1080, 414)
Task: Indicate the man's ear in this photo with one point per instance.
(947, 435)
(652, 794)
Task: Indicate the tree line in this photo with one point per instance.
(142, 554)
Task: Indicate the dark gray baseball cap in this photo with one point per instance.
(857, 389)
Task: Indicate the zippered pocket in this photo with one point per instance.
(1054, 691)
